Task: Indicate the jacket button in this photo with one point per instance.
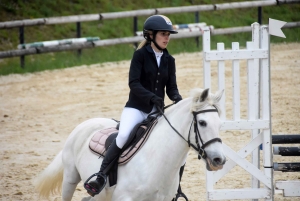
(155, 89)
(156, 81)
(158, 73)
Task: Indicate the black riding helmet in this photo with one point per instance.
(157, 23)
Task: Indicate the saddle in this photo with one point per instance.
(102, 139)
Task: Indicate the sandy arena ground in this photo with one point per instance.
(39, 110)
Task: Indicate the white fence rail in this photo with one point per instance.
(144, 12)
(116, 41)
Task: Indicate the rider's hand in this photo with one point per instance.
(158, 101)
(176, 98)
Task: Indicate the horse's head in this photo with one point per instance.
(206, 110)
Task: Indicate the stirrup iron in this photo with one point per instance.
(92, 190)
(180, 195)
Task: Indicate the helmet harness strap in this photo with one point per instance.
(148, 38)
(154, 41)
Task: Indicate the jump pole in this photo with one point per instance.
(286, 151)
(286, 139)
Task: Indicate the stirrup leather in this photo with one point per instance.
(93, 188)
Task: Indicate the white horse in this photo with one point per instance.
(153, 173)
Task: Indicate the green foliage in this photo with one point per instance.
(117, 28)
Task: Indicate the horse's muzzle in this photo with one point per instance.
(215, 164)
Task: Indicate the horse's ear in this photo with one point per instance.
(204, 95)
(219, 95)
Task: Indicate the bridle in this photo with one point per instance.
(197, 147)
(200, 149)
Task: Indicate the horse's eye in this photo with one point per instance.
(202, 123)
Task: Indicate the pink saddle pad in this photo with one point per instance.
(97, 143)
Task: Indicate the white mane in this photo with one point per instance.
(211, 100)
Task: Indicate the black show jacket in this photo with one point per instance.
(147, 80)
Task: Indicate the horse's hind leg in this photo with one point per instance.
(70, 181)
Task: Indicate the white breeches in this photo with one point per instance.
(129, 118)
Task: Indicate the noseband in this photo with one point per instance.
(198, 148)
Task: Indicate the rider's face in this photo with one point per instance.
(162, 38)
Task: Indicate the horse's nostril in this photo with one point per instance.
(218, 161)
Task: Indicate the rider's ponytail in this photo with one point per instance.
(142, 44)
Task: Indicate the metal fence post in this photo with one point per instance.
(78, 35)
(135, 29)
(21, 39)
(197, 21)
(259, 13)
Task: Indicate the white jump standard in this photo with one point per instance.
(258, 120)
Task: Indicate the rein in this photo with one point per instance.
(198, 148)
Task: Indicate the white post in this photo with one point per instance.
(206, 64)
(221, 81)
(236, 85)
(207, 84)
(253, 98)
(266, 107)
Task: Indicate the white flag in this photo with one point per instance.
(275, 27)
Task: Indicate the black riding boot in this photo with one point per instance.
(110, 158)
(179, 192)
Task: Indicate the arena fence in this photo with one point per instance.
(135, 14)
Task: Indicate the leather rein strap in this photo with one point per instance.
(198, 148)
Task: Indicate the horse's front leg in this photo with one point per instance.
(89, 198)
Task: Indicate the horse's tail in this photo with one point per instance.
(50, 180)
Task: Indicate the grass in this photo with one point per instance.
(117, 28)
